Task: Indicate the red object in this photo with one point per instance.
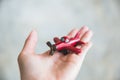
(66, 44)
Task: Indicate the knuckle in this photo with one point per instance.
(20, 57)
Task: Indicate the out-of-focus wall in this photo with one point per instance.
(56, 18)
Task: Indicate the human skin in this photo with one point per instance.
(57, 67)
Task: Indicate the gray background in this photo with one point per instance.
(56, 18)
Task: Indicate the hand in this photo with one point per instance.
(57, 67)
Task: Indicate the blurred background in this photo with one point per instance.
(56, 18)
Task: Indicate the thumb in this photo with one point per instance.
(30, 43)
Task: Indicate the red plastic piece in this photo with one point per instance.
(66, 43)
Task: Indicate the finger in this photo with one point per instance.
(78, 33)
(72, 33)
(30, 43)
(85, 48)
(81, 32)
(87, 36)
(78, 59)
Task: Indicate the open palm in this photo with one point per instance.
(57, 67)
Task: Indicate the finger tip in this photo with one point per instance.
(85, 27)
(73, 32)
(33, 35)
(34, 31)
(75, 29)
(90, 32)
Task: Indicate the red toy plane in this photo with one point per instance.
(65, 44)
